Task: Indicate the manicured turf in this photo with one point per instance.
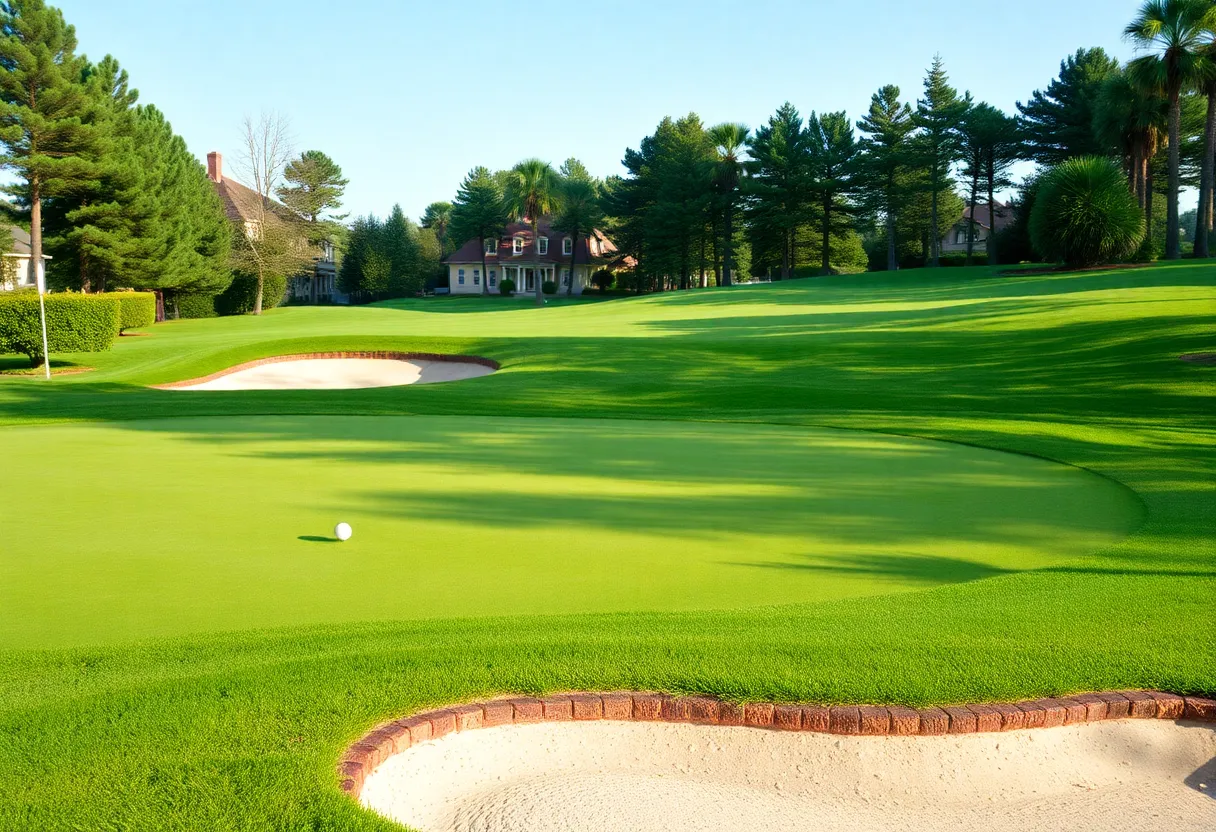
(241, 730)
(480, 516)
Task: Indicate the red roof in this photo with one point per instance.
(593, 249)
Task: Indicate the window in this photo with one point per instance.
(565, 277)
(493, 278)
(542, 245)
(517, 245)
(491, 246)
(460, 276)
(567, 246)
(476, 277)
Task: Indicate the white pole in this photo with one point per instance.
(46, 350)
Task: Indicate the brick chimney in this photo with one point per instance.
(215, 166)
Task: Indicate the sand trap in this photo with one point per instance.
(665, 777)
(339, 374)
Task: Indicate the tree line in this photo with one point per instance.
(114, 196)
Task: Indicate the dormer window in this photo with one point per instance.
(567, 246)
(542, 245)
(517, 245)
(492, 246)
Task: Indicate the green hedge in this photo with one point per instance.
(74, 323)
(136, 309)
(194, 305)
(238, 298)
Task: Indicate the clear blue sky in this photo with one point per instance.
(407, 96)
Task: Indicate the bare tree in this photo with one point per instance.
(270, 244)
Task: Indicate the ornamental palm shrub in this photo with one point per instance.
(1084, 214)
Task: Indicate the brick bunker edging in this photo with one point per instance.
(304, 356)
(860, 720)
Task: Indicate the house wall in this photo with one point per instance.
(15, 272)
(582, 275)
(950, 246)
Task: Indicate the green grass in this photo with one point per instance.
(665, 461)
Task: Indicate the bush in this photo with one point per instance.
(603, 279)
(74, 323)
(136, 310)
(506, 286)
(240, 295)
(1084, 214)
(549, 287)
(193, 305)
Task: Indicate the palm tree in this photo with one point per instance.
(578, 214)
(438, 216)
(730, 140)
(1176, 33)
(532, 193)
(1207, 173)
(1133, 118)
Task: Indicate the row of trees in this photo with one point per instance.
(114, 196)
(125, 202)
(388, 258)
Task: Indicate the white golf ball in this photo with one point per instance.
(342, 531)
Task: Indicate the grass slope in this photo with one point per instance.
(241, 730)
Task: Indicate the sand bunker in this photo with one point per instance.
(638, 777)
(339, 373)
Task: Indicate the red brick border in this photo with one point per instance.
(863, 720)
(304, 356)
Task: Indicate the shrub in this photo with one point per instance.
(74, 323)
(240, 295)
(549, 287)
(603, 279)
(135, 309)
(506, 286)
(1084, 214)
(193, 305)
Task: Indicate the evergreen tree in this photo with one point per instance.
(88, 231)
(883, 163)
(938, 117)
(832, 156)
(399, 247)
(573, 169)
(1057, 123)
(779, 186)
(989, 144)
(578, 214)
(479, 213)
(44, 108)
(313, 187)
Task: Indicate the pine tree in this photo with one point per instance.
(44, 108)
(832, 156)
(479, 213)
(938, 117)
(990, 146)
(779, 187)
(1058, 122)
(399, 246)
(885, 150)
(313, 187)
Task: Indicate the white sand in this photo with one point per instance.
(341, 374)
(660, 777)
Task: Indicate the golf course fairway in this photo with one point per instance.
(468, 516)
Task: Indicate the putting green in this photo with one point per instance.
(158, 528)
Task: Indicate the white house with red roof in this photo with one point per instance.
(514, 256)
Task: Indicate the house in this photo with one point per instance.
(514, 255)
(318, 284)
(954, 241)
(15, 270)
